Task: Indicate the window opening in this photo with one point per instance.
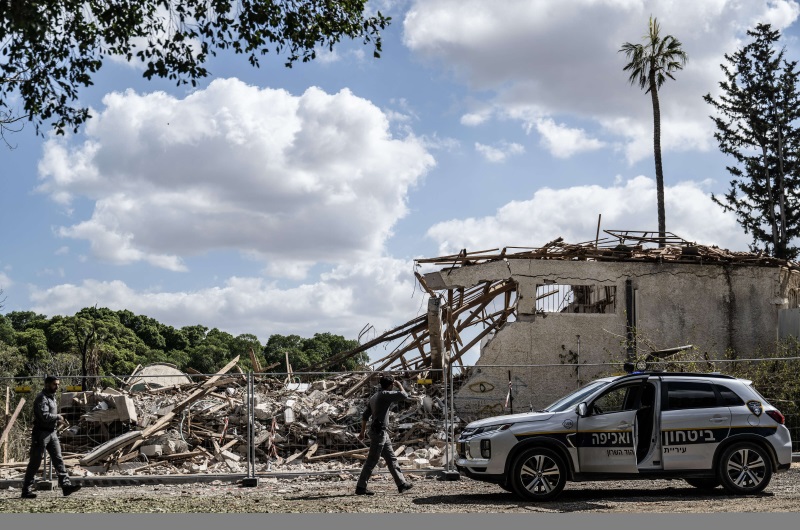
(555, 298)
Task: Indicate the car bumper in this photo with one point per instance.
(479, 473)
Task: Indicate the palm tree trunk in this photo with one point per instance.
(662, 223)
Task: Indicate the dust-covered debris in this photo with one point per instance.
(203, 427)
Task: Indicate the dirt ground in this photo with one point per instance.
(334, 494)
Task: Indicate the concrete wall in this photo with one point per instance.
(716, 308)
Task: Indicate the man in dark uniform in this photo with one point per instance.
(44, 436)
(380, 444)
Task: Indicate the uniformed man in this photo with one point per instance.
(44, 436)
(380, 444)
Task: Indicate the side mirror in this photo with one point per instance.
(582, 410)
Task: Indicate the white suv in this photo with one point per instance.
(708, 429)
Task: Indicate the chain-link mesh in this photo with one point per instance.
(178, 423)
(310, 421)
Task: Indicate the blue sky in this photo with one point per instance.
(279, 200)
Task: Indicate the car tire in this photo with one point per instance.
(704, 483)
(744, 469)
(538, 474)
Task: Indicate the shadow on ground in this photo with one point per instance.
(580, 500)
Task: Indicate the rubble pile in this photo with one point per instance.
(202, 427)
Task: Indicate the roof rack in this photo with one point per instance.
(715, 375)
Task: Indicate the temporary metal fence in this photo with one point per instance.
(268, 424)
(251, 423)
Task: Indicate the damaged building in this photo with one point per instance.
(586, 305)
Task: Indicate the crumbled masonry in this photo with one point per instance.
(201, 428)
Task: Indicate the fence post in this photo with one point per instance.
(450, 433)
(250, 481)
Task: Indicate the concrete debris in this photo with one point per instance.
(203, 427)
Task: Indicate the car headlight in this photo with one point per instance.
(491, 428)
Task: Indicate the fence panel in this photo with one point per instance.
(167, 423)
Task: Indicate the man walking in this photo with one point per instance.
(44, 436)
(380, 444)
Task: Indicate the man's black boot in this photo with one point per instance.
(364, 491)
(27, 493)
(68, 488)
(404, 487)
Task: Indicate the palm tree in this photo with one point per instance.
(650, 65)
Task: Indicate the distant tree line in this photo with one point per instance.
(109, 343)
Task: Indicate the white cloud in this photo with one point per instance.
(293, 179)
(343, 301)
(777, 13)
(435, 143)
(499, 153)
(559, 60)
(474, 119)
(572, 213)
(5, 280)
(563, 141)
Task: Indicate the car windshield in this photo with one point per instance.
(576, 397)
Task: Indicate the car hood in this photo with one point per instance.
(511, 418)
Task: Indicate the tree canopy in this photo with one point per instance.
(304, 353)
(107, 343)
(758, 124)
(49, 49)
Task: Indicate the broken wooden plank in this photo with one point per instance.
(109, 447)
(351, 452)
(254, 361)
(200, 392)
(179, 456)
(10, 423)
(295, 456)
(311, 450)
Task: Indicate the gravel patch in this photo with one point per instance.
(334, 494)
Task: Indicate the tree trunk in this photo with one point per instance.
(771, 200)
(781, 252)
(662, 223)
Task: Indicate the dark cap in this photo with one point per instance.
(386, 381)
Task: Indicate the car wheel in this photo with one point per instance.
(703, 483)
(538, 474)
(744, 468)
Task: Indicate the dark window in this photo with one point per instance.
(729, 397)
(690, 395)
(558, 298)
(616, 400)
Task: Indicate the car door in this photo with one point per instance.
(605, 436)
(693, 423)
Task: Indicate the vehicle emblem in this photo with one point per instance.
(568, 424)
(755, 407)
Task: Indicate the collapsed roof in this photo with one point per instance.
(492, 303)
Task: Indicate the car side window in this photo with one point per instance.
(729, 397)
(616, 400)
(690, 395)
